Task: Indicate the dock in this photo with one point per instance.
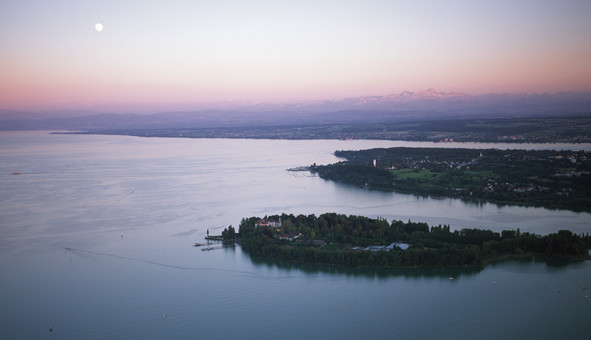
(215, 238)
(211, 248)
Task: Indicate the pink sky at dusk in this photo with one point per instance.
(165, 55)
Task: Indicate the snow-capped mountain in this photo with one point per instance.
(433, 100)
(405, 106)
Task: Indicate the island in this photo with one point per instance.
(358, 241)
(547, 178)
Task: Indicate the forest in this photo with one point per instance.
(552, 179)
(336, 239)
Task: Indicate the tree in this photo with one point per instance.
(229, 233)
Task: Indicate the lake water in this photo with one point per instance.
(96, 235)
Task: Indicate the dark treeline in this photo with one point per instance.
(330, 238)
(553, 179)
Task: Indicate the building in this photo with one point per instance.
(291, 236)
(268, 224)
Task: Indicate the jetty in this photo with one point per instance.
(216, 238)
(299, 168)
(211, 248)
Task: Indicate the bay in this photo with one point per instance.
(96, 235)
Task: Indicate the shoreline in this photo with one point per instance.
(490, 261)
(479, 200)
(311, 137)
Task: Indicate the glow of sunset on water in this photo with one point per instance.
(162, 55)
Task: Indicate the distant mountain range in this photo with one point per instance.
(433, 100)
(406, 106)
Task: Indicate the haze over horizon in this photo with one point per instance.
(153, 56)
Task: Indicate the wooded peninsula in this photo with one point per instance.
(548, 178)
(358, 241)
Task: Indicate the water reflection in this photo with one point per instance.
(518, 265)
(379, 273)
(552, 263)
(229, 246)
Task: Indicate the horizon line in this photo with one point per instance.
(241, 104)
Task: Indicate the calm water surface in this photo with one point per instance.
(96, 234)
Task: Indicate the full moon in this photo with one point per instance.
(98, 27)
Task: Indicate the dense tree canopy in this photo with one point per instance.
(335, 239)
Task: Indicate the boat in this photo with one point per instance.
(198, 244)
(16, 173)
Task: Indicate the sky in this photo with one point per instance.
(167, 55)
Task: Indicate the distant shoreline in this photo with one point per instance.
(572, 130)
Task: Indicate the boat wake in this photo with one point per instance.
(82, 252)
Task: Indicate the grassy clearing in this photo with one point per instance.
(425, 174)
